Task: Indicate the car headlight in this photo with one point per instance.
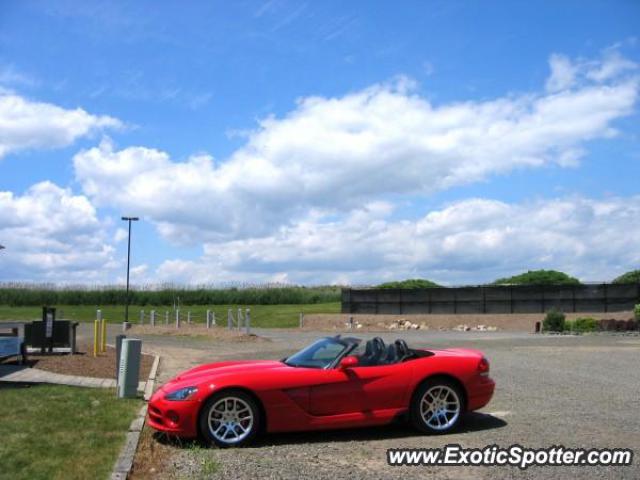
(182, 394)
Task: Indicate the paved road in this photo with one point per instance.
(552, 390)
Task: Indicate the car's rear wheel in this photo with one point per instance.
(230, 419)
(437, 406)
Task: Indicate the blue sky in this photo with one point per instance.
(318, 142)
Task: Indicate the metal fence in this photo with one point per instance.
(605, 297)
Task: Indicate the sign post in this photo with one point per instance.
(48, 321)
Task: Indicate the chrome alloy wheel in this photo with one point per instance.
(230, 420)
(440, 407)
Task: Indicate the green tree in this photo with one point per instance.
(630, 277)
(539, 277)
(410, 283)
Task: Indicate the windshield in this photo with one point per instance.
(319, 354)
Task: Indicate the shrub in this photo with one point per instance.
(630, 277)
(539, 277)
(584, 324)
(554, 321)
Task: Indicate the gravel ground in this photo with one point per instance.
(576, 391)
(516, 322)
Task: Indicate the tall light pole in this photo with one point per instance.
(126, 306)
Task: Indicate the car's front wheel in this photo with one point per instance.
(437, 406)
(230, 419)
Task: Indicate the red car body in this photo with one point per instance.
(297, 399)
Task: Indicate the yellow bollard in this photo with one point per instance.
(103, 336)
(96, 333)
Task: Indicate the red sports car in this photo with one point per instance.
(335, 382)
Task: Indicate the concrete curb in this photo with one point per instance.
(124, 463)
(148, 390)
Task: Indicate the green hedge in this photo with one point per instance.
(18, 297)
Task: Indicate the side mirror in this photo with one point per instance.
(348, 362)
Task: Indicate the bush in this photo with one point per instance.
(410, 283)
(584, 324)
(636, 312)
(539, 277)
(630, 277)
(554, 321)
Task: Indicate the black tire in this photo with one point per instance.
(448, 421)
(242, 432)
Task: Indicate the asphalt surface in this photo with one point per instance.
(574, 391)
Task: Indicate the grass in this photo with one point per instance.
(267, 316)
(60, 432)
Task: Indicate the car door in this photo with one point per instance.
(382, 386)
(336, 392)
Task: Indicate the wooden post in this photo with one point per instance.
(141, 317)
(213, 318)
(152, 318)
(208, 318)
(301, 319)
(177, 318)
(247, 321)
(166, 317)
(239, 318)
(189, 317)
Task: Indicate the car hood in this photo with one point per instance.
(211, 371)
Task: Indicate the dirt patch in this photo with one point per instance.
(84, 364)
(520, 322)
(194, 330)
(152, 458)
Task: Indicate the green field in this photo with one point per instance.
(268, 316)
(59, 432)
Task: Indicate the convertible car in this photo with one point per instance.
(336, 382)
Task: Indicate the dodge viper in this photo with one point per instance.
(336, 382)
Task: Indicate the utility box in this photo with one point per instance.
(129, 367)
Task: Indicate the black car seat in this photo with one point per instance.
(403, 350)
(390, 356)
(365, 358)
(377, 352)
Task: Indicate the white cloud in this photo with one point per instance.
(27, 124)
(566, 73)
(120, 235)
(563, 73)
(613, 65)
(330, 156)
(52, 235)
(470, 241)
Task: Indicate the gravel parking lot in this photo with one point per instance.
(575, 391)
